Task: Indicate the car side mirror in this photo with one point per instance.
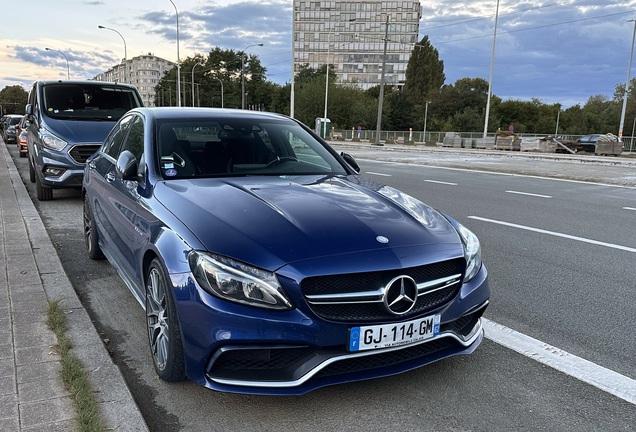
(29, 110)
(127, 166)
(351, 161)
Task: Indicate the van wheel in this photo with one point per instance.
(31, 171)
(43, 193)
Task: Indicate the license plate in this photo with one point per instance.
(391, 335)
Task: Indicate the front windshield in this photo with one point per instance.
(240, 147)
(88, 101)
(14, 120)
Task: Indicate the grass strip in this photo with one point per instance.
(73, 374)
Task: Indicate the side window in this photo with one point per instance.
(135, 141)
(116, 136)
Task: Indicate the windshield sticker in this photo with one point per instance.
(171, 172)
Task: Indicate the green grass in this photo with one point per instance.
(73, 374)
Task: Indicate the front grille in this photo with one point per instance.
(370, 281)
(81, 152)
(390, 358)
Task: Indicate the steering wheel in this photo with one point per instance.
(280, 159)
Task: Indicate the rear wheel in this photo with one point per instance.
(163, 325)
(90, 233)
(43, 193)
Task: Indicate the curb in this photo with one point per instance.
(117, 407)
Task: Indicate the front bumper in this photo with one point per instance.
(73, 173)
(234, 348)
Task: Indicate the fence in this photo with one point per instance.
(629, 143)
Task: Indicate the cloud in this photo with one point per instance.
(93, 3)
(83, 63)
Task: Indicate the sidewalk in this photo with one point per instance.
(32, 394)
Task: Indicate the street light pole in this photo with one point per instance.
(195, 65)
(620, 129)
(68, 70)
(291, 101)
(243, 74)
(557, 128)
(379, 124)
(125, 52)
(492, 62)
(178, 60)
(221, 90)
(425, 117)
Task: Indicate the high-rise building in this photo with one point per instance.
(350, 35)
(143, 71)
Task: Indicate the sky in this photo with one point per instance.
(558, 51)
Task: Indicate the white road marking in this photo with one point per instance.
(577, 367)
(629, 208)
(502, 174)
(441, 182)
(380, 174)
(529, 194)
(556, 234)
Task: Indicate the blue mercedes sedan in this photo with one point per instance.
(266, 264)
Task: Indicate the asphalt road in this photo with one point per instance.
(575, 295)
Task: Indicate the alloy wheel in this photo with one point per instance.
(157, 317)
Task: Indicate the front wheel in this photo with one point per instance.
(31, 171)
(90, 233)
(43, 193)
(163, 325)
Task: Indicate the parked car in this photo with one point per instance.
(8, 133)
(588, 142)
(68, 121)
(266, 264)
(21, 133)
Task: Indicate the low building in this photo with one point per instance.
(143, 71)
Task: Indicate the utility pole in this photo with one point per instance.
(492, 62)
(379, 124)
(620, 129)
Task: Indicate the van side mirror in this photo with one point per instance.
(351, 161)
(127, 166)
(29, 110)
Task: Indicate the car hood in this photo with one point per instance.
(80, 131)
(273, 221)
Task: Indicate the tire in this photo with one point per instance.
(43, 193)
(91, 238)
(164, 334)
(31, 171)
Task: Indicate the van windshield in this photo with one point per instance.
(88, 101)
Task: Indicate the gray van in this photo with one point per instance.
(68, 121)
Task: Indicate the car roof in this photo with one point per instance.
(167, 113)
(50, 82)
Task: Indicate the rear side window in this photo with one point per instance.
(135, 140)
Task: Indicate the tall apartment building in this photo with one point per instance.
(143, 71)
(352, 34)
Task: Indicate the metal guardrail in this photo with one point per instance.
(629, 143)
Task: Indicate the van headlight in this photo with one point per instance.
(51, 141)
(472, 251)
(231, 280)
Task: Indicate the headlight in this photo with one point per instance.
(472, 251)
(237, 282)
(51, 141)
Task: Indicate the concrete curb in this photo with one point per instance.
(118, 408)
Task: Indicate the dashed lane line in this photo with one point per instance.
(380, 174)
(529, 194)
(441, 182)
(598, 376)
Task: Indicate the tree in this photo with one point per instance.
(424, 72)
(13, 99)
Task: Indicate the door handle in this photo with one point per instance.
(110, 177)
